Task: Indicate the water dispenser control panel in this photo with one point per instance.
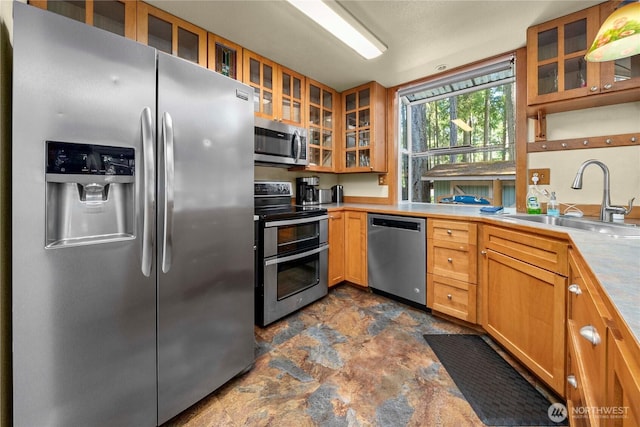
(83, 159)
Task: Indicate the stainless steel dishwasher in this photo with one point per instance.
(396, 257)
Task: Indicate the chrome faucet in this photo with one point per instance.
(606, 209)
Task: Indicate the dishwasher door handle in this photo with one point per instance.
(395, 223)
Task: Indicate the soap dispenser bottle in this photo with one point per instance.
(553, 207)
(533, 205)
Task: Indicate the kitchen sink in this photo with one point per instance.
(618, 230)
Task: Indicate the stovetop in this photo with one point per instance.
(272, 201)
(281, 212)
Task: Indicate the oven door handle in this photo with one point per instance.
(297, 256)
(295, 221)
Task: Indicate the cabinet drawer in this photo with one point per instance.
(544, 252)
(453, 260)
(452, 297)
(452, 231)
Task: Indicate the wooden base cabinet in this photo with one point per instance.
(355, 246)
(452, 266)
(524, 303)
(336, 248)
(623, 387)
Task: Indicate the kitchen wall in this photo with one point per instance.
(623, 162)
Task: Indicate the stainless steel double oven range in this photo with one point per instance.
(291, 252)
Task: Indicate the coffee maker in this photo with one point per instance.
(307, 190)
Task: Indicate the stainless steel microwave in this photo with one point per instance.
(279, 144)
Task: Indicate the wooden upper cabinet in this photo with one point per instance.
(170, 34)
(116, 16)
(323, 114)
(279, 93)
(364, 121)
(556, 66)
(225, 57)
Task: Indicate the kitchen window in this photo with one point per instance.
(459, 128)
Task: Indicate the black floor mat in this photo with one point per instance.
(498, 394)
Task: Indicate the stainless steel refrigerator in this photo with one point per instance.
(132, 237)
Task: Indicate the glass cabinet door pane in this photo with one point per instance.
(256, 99)
(548, 78)
(286, 109)
(351, 139)
(187, 45)
(327, 138)
(327, 118)
(327, 100)
(363, 118)
(351, 121)
(314, 115)
(363, 158)
(314, 94)
(286, 84)
(254, 71)
(627, 68)
(109, 15)
(350, 159)
(575, 36)
(314, 136)
(297, 112)
(160, 34)
(267, 76)
(327, 159)
(574, 73)
(314, 155)
(226, 61)
(548, 44)
(350, 103)
(71, 9)
(267, 103)
(363, 98)
(297, 88)
(363, 138)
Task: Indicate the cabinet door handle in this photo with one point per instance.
(607, 86)
(449, 260)
(593, 88)
(449, 297)
(484, 253)
(590, 334)
(573, 382)
(575, 289)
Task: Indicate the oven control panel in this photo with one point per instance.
(272, 188)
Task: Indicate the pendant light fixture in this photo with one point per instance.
(339, 22)
(619, 36)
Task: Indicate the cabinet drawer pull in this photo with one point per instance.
(590, 334)
(608, 86)
(449, 260)
(449, 297)
(593, 88)
(483, 253)
(449, 232)
(575, 289)
(573, 382)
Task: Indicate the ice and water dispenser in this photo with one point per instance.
(90, 193)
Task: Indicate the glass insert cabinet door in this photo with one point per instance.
(170, 34)
(291, 97)
(259, 74)
(321, 104)
(357, 129)
(118, 17)
(225, 57)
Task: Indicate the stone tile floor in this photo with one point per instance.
(351, 359)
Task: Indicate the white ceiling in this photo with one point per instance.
(420, 34)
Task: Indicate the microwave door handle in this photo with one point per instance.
(167, 144)
(148, 191)
(298, 141)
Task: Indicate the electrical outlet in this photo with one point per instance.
(544, 176)
(382, 179)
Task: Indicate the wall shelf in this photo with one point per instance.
(622, 140)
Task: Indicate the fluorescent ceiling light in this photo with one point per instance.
(462, 125)
(333, 18)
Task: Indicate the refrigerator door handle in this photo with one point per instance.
(148, 190)
(167, 143)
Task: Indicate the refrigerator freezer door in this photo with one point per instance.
(84, 319)
(205, 297)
